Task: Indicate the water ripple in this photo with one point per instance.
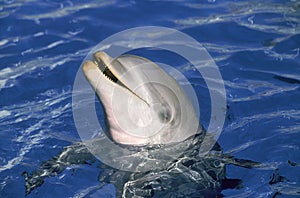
(238, 11)
(31, 137)
(259, 67)
(62, 10)
(12, 73)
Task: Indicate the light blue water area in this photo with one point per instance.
(254, 43)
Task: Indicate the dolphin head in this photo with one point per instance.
(143, 104)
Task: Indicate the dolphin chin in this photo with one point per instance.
(143, 104)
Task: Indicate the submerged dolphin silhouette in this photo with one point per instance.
(143, 104)
(147, 111)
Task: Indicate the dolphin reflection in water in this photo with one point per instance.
(149, 114)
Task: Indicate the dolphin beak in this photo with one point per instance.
(99, 76)
(111, 69)
(103, 61)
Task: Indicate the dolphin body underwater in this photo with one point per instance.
(147, 118)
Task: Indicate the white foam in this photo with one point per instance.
(55, 44)
(4, 113)
(2, 83)
(39, 34)
(3, 42)
(6, 71)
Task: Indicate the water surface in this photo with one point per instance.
(254, 43)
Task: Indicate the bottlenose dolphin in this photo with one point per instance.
(147, 111)
(143, 104)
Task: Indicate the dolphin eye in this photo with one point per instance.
(165, 115)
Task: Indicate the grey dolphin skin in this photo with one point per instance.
(144, 105)
(147, 117)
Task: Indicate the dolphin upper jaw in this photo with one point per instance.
(140, 107)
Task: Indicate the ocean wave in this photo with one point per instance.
(244, 13)
(12, 73)
(48, 113)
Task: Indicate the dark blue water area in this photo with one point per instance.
(255, 45)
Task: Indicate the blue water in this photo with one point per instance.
(254, 43)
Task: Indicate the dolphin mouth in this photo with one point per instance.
(108, 73)
(105, 70)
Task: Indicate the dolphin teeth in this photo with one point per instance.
(105, 70)
(109, 74)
